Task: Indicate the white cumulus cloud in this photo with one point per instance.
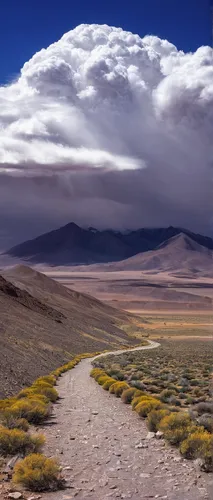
(109, 128)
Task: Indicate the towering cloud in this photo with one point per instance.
(104, 127)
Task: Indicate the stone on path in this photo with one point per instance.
(16, 495)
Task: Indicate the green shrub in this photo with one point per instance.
(207, 456)
(13, 441)
(37, 473)
(49, 379)
(138, 399)
(196, 444)
(32, 410)
(108, 383)
(95, 372)
(31, 393)
(144, 407)
(118, 387)
(176, 427)
(128, 395)
(102, 379)
(155, 417)
(165, 395)
(12, 422)
(45, 390)
(6, 403)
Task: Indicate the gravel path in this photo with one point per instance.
(104, 451)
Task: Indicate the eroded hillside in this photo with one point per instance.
(42, 324)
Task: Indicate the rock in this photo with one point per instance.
(198, 462)
(35, 498)
(16, 495)
(159, 434)
(104, 481)
(11, 463)
(144, 475)
(150, 435)
(67, 468)
(141, 445)
(72, 438)
(94, 412)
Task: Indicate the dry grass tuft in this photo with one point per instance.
(14, 441)
(38, 473)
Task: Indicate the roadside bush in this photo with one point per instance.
(12, 422)
(155, 417)
(207, 456)
(37, 473)
(32, 394)
(138, 399)
(108, 383)
(45, 390)
(165, 396)
(102, 379)
(96, 372)
(128, 395)
(7, 403)
(13, 441)
(49, 379)
(144, 407)
(32, 410)
(196, 444)
(118, 387)
(176, 427)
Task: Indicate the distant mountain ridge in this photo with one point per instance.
(73, 245)
(180, 255)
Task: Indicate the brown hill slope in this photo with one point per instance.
(179, 254)
(42, 324)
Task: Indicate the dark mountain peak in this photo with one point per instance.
(73, 245)
(70, 226)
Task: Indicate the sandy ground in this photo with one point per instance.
(105, 453)
(135, 290)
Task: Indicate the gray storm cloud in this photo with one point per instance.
(104, 127)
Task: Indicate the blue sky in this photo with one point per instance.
(26, 26)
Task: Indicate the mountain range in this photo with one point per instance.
(180, 255)
(72, 245)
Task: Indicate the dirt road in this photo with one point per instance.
(105, 453)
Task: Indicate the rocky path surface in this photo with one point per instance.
(105, 452)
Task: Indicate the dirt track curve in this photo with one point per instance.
(104, 451)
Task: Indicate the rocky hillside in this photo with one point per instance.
(43, 324)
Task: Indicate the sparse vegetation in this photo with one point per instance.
(117, 388)
(144, 407)
(13, 441)
(155, 417)
(32, 406)
(38, 473)
(170, 389)
(33, 410)
(128, 395)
